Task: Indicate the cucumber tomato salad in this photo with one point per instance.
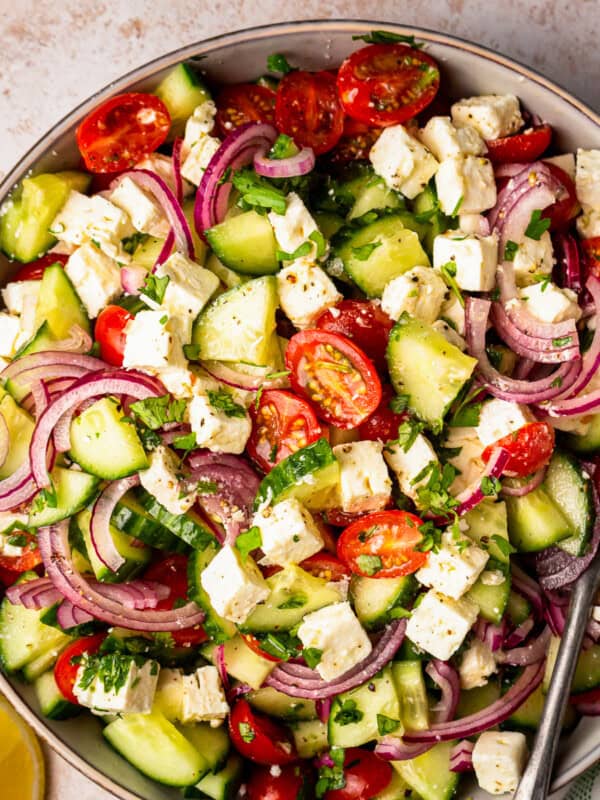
(299, 415)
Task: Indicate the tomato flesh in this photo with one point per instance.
(356, 142)
(67, 664)
(562, 212)
(34, 271)
(172, 572)
(591, 255)
(325, 565)
(110, 333)
(259, 738)
(366, 776)
(122, 130)
(526, 146)
(307, 108)
(254, 645)
(385, 84)
(242, 103)
(292, 783)
(281, 425)
(383, 545)
(530, 448)
(383, 423)
(30, 558)
(334, 375)
(364, 323)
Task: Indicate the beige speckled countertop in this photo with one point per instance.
(54, 54)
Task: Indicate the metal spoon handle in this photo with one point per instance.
(536, 778)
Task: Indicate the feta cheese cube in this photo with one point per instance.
(492, 115)
(588, 222)
(444, 140)
(440, 624)
(565, 161)
(134, 696)
(198, 158)
(365, 483)
(216, 430)
(95, 276)
(161, 480)
(163, 166)
(454, 568)
(7, 548)
(420, 292)
(143, 210)
(472, 223)
(235, 587)
(548, 303)
(475, 258)
(10, 328)
(587, 177)
(335, 631)
(468, 460)
(151, 343)
(453, 313)
(289, 533)
(203, 697)
(200, 123)
(470, 141)
(189, 289)
(178, 381)
(305, 290)
(449, 334)
(533, 257)
(499, 418)
(476, 666)
(20, 294)
(499, 759)
(407, 465)
(402, 161)
(85, 219)
(293, 228)
(466, 184)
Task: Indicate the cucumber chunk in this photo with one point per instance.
(242, 663)
(212, 743)
(426, 206)
(154, 746)
(375, 599)
(572, 493)
(132, 518)
(370, 193)
(517, 608)
(290, 587)
(239, 325)
(41, 340)
(426, 367)
(217, 627)
(224, 274)
(136, 557)
(396, 250)
(44, 662)
(59, 304)
(311, 475)
(189, 527)
(181, 91)
(53, 704)
(535, 521)
(20, 430)
(492, 599)
(103, 444)
(310, 737)
(397, 789)
(147, 251)
(429, 775)
(587, 672)
(410, 687)
(473, 700)
(278, 704)
(527, 717)
(486, 521)
(27, 215)
(245, 243)
(588, 443)
(73, 491)
(222, 786)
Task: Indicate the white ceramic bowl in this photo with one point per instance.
(241, 56)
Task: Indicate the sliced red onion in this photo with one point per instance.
(69, 616)
(78, 341)
(324, 708)
(133, 278)
(528, 654)
(556, 618)
(54, 385)
(177, 145)
(57, 362)
(41, 397)
(461, 756)
(528, 588)
(151, 182)
(221, 665)
(534, 176)
(497, 712)
(165, 251)
(238, 150)
(55, 550)
(300, 164)
(474, 495)
(310, 685)
(239, 690)
(240, 380)
(568, 260)
(35, 594)
(510, 170)
(133, 594)
(520, 491)
(519, 634)
(4, 440)
(491, 635)
(590, 708)
(100, 533)
(524, 367)
(537, 349)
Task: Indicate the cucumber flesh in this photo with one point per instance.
(224, 274)
(588, 443)
(310, 737)
(429, 775)
(44, 662)
(374, 195)
(53, 704)
(485, 521)
(132, 518)
(278, 704)
(73, 491)
(136, 557)
(492, 599)
(375, 599)
(59, 304)
(212, 743)
(242, 663)
(245, 243)
(572, 493)
(189, 527)
(587, 672)
(410, 686)
(181, 91)
(527, 717)
(397, 789)
(535, 522)
(518, 608)
(473, 700)
(20, 430)
(225, 784)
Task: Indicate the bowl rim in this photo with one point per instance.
(190, 51)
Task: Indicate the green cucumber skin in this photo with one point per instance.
(133, 519)
(184, 527)
(572, 492)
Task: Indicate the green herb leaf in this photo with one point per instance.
(150, 439)
(348, 713)
(131, 243)
(187, 442)
(207, 487)
(278, 63)
(490, 486)
(369, 564)
(503, 545)
(17, 540)
(246, 732)
(448, 272)
(191, 352)
(318, 238)
(258, 193)
(295, 601)
(537, 226)
(363, 253)
(407, 434)
(456, 209)
(563, 341)
(387, 37)
(434, 495)
(330, 778)
(510, 250)
(302, 250)
(223, 401)
(154, 287)
(399, 403)
(283, 147)
(282, 644)
(312, 656)
(386, 724)
(155, 412)
(248, 541)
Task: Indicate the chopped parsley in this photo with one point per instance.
(282, 644)
(258, 193)
(246, 732)
(110, 669)
(432, 537)
(433, 494)
(456, 209)
(348, 713)
(399, 403)
(369, 564)
(387, 37)
(17, 540)
(503, 545)
(557, 382)
(277, 62)
(155, 412)
(186, 442)
(283, 147)
(45, 498)
(544, 280)
(510, 250)
(306, 248)
(131, 243)
(154, 287)
(490, 486)
(330, 778)
(248, 541)
(150, 439)
(207, 487)
(386, 725)
(407, 434)
(448, 272)
(563, 341)
(295, 601)
(537, 226)
(312, 656)
(222, 400)
(363, 253)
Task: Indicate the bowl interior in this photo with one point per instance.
(467, 69)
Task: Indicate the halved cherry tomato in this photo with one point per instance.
(308, 109)
(29, 559)
(526, 146)
(254, 643)
(8, 577)
(362, 321)
(385, 84)
(383, 545)
(562, 212)
(591, 255)
(110, 333)
(356, 142)
(242, 103)
(341, 519)
(122, 130)
(328, 535)
(530, 448)
(35, 269)
(172, 572)
(366, 776)
(259, 738)
(383, 423)
(291, 783)
(335, 375)
(592, 696)
(281, 425)
(324, 565)
(67, 664)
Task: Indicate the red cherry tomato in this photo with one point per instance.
(8, 577)
(592, 696)
(122, 130)
(366, 776)
(362, 321)
(383, 545)
(526, 146)
(591, 255)
(110, 333)
(259, 738)
(29, 559)
(327, 533)
(67, 664)
(530, 448)
(254, 644)
(242, 103)
(292, 783)
(341, 519)
(335, 375)
(172, 572)
(383, 423)
(35, 269)
(325, 565)
(356, 142)
(307, 108)
(562, 212)
(385, 84)
(281, 425)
